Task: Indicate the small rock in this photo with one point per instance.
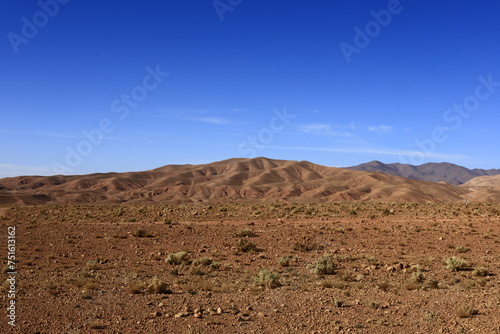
(181, 315)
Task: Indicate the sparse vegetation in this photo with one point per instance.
(465, 311)
(285, 261)
(178, 258)
(245, 245)
(267, 279)
(306, 245)
(462, 249)
(212, 264)
(324, 265)
(156, 286)
(141, 233)
(481, 272)
(455, 263)
(245, 233)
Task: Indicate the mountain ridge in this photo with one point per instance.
(233, 180)
(432, 172)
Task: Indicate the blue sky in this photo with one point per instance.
(98, 86)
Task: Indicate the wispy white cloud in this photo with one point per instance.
(7, 170)
(322, 129)
(391, 152)
(380, 128)
(212, 120)
(239, 109)
(45, 134)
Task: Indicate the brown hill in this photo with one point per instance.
(483, 188)
(484, 181)
(433, 172)
(233, 180)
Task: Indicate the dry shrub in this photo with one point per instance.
(455, 263)
(178, 258)
(465, 311)
(267, 279)
(481, 272)
(246, 246)
(324, 265)
(244, 233)
(157, 286)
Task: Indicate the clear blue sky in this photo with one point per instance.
(353, 83)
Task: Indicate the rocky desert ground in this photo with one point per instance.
(254, 268)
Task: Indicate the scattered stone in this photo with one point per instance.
(181, 315)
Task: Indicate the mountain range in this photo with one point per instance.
(237, 180)
(432, 172)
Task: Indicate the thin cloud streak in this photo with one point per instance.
(444, 156)
(322, 129)
(212, 120)
(380, 128)
(9, 170)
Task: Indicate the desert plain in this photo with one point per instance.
(256, 268)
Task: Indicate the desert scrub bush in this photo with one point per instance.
(346, 258)
(204, 262)
(306, 245)
(338, 303)
(462, 249)
(433, 284)
(244, 233)
(285, 261)
(267, 279)
(383, 285)
(136, 288)
(324, 265)
(96, 325)
(246, 246)
(178, 258)
(465, 311)
(156, 286)
(455, 263)
(141, 233)
(417, 275)
(481, 272)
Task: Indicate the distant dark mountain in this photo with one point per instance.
(432, 172)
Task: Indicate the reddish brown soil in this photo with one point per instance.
(85, 269)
